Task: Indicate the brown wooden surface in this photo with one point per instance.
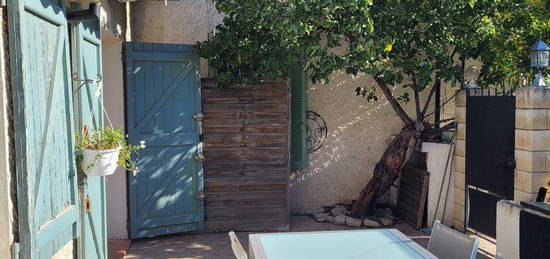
(413, 190)
(246, 139)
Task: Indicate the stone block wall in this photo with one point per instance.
(532, 147)
(532, 153)
(459, 160)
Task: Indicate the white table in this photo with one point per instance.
(347, 244)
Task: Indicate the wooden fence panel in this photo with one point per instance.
(246, 146)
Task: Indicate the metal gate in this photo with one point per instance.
(490, 128)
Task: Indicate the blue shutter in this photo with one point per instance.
(88, 111)
(44, 145)
(163, 95)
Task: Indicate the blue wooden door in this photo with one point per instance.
(163, 97)
(88, 111)
(44, 144)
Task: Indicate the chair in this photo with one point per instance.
(450, 244)
(238, 249)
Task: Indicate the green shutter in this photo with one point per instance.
(298, 145)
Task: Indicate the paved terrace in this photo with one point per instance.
(217, 245)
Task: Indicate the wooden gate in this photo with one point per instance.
(490, 129)
(163, 106)
(88, 111)
(42, 105)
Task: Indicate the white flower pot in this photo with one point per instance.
(100, 162)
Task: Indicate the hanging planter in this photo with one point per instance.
(101, 151)
(100, 162)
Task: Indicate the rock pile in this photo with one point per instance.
(339, 215)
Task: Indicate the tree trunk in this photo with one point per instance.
(386, 171)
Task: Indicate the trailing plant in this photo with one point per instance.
(106, 139)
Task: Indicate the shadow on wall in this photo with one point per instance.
(358, 134)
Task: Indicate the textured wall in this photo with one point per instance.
(358, 130)
(358, 133)
(113, 17)
(178, 22)
(117, 211)
(184, 22)
(7, 177)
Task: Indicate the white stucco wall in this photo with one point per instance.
(117, 212)
(441, 183)
(508, 229)
(359, 131)
(6, 181)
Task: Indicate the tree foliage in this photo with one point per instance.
(414, 44)
(399, 42)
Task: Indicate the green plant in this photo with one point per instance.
(108, 138)
(404, 45)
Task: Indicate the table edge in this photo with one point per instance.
(254, 240)
(255, 249)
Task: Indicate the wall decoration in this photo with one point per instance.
(316, 131)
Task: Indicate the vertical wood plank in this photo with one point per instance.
(47, 206)
(247, 156)
(163, 194)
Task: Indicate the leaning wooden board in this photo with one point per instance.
(246, 138)
(413, 190)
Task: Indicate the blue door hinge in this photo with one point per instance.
(15, 250)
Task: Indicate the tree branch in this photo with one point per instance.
(439, 108)
(437, 83)
(416, 98)
(395, 105)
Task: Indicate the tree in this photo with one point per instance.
(413, 44)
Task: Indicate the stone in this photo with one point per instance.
(371, 223)
(353, 222)
(387, 221)
(315, 211)
(383, 213)
(340, 220)
(460, 114)
(460, 147)
(331, 219)
(321, 217)
(459, 164)
(337, 211)
(327, 208)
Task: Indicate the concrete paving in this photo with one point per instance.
(217, 245)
